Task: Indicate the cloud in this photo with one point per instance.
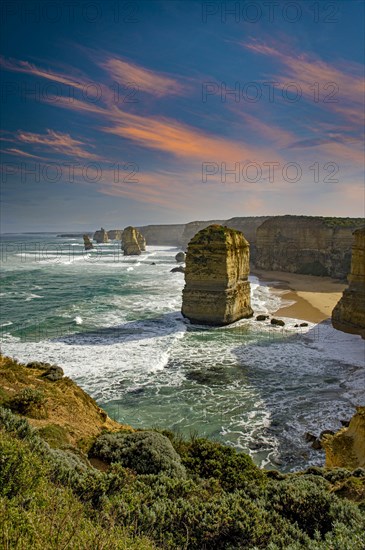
(151, 82)
(57, 142)
(336, 87)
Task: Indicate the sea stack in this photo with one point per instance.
(133, 242)
(88, 245)
(115, 234)
(101, 236)
(217, 291)
(349, 313)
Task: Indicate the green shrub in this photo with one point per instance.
(146, 452)
(206, 459)
(55, 435)
(28, 402)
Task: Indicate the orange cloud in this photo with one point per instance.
(340, 90)
(146, 80)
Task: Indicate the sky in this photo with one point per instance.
(118, 113)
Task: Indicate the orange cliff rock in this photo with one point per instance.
(217, 291)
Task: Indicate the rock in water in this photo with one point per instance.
(131, 241)
(349, 313)
(179, 269)
(87, 242)
(101, 236)
(217, 291)
(180, 257)
(141, 241)
(115, 234)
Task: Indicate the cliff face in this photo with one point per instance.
(346, 449)
(131, 241)
(217, 291)
(163, 235)
(192, 228)
(349, 313)
(101, 236)
(88, 245)
(303, 244)
(115, 234)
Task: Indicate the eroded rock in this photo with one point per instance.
(88, 245)
(217, 291)
(349, 313)
(101, 236)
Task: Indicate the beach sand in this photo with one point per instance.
(314, 297)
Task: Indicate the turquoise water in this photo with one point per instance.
(114, 324)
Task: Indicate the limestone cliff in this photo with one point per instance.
(131, 241)
(217, 291)
(88, 245)
(163, 235)
(101, 236)
(349, 313)
(346, 449)
(141, 241)
(306, 244)
(115, 234)
(192, 228)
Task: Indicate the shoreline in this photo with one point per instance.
(314, 297)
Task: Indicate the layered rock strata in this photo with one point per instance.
(346, 449)
(88, 245)
(349, 313)
(217, 291)
(101, 236)
(133, 242)
(306, 244)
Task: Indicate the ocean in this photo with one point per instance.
(113, 323)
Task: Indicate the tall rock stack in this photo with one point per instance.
(101, 236)
(217, 291)
(349, 314)
(133, 242)
(88, 245)
(141, 241)
(115, 234)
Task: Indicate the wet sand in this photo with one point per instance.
(314, 297)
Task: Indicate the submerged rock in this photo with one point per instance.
(88, 245)
(131, 242)
(262, 317)
(349, 313)
(217, 291)
(101, 236)
(179, 269)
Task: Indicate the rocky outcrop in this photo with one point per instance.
(306, 244)
(131, 241)
(115, 234)
(346, 449)
(217, 291)
(88, 245)
(193, 228)
(180, 257)
(101, 236)
(349, 314)
(141, 241)
(179, 269)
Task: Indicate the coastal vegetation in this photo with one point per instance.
(145, 489)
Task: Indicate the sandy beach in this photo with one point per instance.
(314, 297)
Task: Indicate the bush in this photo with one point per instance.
(208, 459)
(145, 452)
(28, 402)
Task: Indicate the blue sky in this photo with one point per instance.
(117, 113)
